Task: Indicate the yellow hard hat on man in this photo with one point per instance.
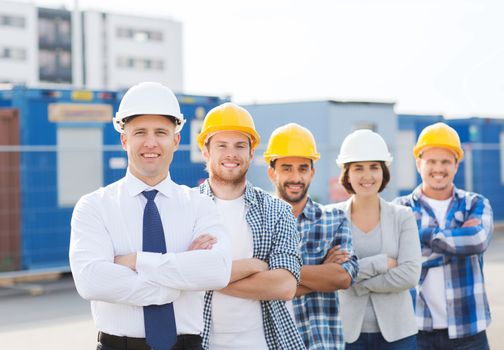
(228, 117)
(439, 135)
(291, 140)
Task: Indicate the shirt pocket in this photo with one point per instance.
(314, 252)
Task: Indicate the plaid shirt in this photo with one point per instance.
(460, 251)
(317, 313)
(276, 241)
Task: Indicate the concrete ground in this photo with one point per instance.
(59, 319)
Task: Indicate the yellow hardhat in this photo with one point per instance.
(439, 135)
(291, 140)
(228, 117)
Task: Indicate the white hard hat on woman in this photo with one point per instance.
(363, 145)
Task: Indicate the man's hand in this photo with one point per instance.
(127, 260)
(335, 255)
(471, 223)
(203, 242)
(258, 264)
(391, 263)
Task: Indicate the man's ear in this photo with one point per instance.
(177, 141)
(417, 163)
(123, 141)
(271, 174)
(205, 153)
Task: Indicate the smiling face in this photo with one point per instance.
(150, 142)
(292, 177)
(365, 178)
(437, 168)
(228, 156)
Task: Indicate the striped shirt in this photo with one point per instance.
(460, 251)
(317, 313)
(276, 241)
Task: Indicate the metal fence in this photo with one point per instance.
(39, 186)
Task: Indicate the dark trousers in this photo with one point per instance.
(184, 342)
(375, 341)
(195, 347)
(438, 340)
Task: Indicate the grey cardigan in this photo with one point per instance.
(388, 289)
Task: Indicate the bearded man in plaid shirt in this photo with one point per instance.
(329, 262)
(250, 313)
(455, 229)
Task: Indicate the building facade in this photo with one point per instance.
(37, 46)
(18, 43)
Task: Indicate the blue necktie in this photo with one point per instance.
(159, 320)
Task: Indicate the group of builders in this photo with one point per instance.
(229, 266)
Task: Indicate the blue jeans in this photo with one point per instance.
(438, 340)
(375, 341)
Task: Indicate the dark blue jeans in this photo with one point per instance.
(375, 341)
(438, 340)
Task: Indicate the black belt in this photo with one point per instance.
(128, 343)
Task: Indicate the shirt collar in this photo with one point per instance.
(249, 195)
(135, 186)
(417, 193)
(311, 210)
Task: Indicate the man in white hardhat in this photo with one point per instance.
(455, 228)
(329, 263)
(143, 269)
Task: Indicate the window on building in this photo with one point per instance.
(156, 36)
(12, 21)
(64, 32)
(138, 63)
(139, 35)
(47, 63)
(47, 31)
(13, 53)
(65, 59)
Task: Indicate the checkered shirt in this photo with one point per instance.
(317, 314)
(275, 240)
(460, 251)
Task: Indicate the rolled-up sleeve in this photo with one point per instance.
(285, 249)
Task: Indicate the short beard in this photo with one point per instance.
(282, 192)
(439, 188)
(236, 181)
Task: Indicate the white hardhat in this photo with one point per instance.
(363, 146)
(148, 98)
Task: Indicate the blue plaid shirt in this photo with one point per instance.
(276, 241)
(460, 252)
(317, 313)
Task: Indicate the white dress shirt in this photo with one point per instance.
(109, 222)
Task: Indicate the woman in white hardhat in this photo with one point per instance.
(377, 310)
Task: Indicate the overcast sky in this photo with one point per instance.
(429, 56)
